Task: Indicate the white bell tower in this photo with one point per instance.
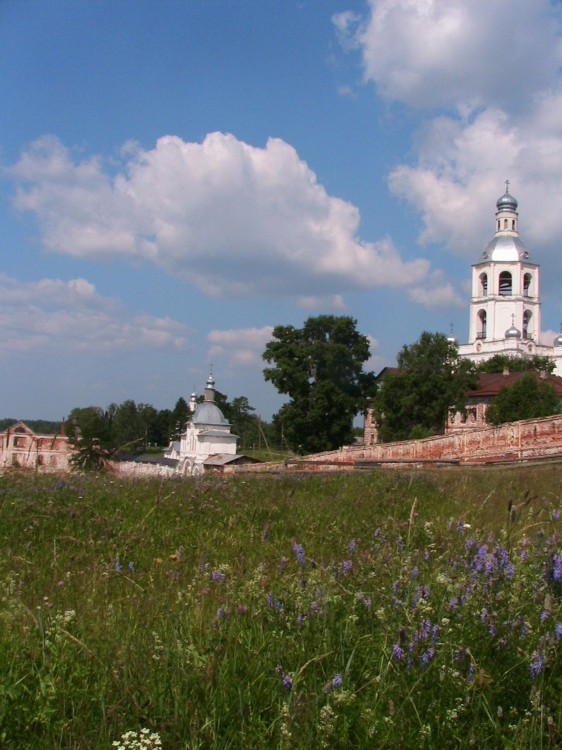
(505, 308)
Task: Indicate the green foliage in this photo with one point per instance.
(386, 610)
(414, 401)
(320, 367)
(500, 362)
(528, 398)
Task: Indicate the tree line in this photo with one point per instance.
(321, 368)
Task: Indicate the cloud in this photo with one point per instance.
(70, 316)
(240, 347)
(230, 218)
(454, 185)
(429, 53)
(335, 302)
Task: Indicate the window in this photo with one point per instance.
(483, 284)
(481, 332)
(527, 285)
(505, 285)
(505, 223)
(526, 320)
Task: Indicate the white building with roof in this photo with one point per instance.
(206, 441)
(505, 307)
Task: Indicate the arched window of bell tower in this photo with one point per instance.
(505, 223)
(505, 285)
(526, 321)
(483, 278)
(513, 224)
(481, 327)
(499, 225)
(527, 278)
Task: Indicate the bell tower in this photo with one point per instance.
(505, 308)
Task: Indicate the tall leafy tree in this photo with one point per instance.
(320, 366)
(413, 401)
(500, 362)
(528, 398)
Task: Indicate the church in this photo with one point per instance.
(505, 307)
(206, 442)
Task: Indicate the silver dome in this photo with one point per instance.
(505, 247)
(209, 413)
(513, 333)
(506, 202)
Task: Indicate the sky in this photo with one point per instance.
(177, 178)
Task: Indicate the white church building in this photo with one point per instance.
(206, 442)
(505, 307)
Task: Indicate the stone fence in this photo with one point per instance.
(512, 442)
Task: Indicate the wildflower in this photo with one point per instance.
(118, 567)
(242, 609)
(558, 631)
(536, 666)
(217, 576)
(337, 681)
(555, 515)
(398, 652)
(557, 568)
(346, 566)
(131, 567)
(299, 552)
(287, 682)
(427, 656)
(351, 546)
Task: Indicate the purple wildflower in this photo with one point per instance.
(471, 671)
(118, 568)
(426, 657)
(415, 572)
(346, 566)
(558, 631)
(536, 666)
(398, 652)
(217, 576)
(299, 552)
(287, 682)
(337, 681)
(351, 546)
(555, 515)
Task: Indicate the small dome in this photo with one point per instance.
(558, 340)
(513, 333)
(209, 413)
(506, 203)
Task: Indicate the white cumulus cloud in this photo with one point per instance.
(228, 217)
(70, 316)
(431, 53)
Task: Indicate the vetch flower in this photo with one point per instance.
(118, 568)
(536, 666)
(337, 681)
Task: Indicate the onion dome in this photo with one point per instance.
(513, 333)
(506, 203)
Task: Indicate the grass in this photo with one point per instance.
(387, 610)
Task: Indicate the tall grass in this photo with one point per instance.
(387, 610)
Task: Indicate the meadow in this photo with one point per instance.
(377, 610)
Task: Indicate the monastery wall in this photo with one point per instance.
(515, 441)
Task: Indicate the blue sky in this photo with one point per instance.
(179, 177)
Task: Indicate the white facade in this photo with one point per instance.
(505, 308)
(207, 434)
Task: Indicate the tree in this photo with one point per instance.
(528, 398)
(500, 362)
(320, 366)
(414, 401)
